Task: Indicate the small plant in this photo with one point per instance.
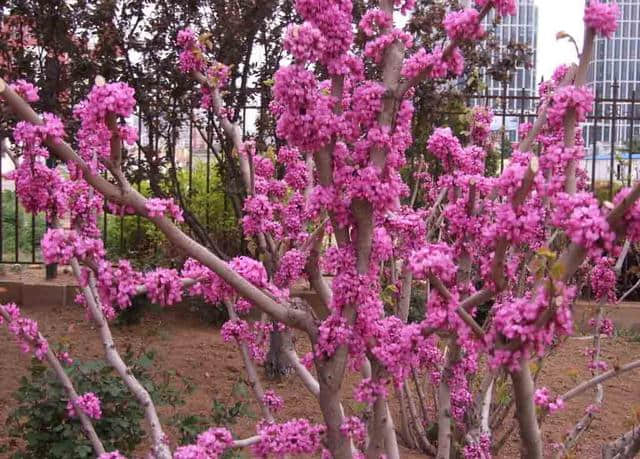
(41, 418)
(222, 414)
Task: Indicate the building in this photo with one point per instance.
(522, 29)
(614, 73)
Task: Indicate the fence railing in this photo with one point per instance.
(612, 133)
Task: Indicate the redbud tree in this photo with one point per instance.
(501, 259)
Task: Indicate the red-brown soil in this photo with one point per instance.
(192, 348)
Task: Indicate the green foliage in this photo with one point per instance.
(24, 229)
(133, 314)
(220, 414)
(41, 420)
(141, 242)
(602, 189)
(416, 306)
(141, 306)
(492, 163)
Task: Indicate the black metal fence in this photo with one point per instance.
(612, 137)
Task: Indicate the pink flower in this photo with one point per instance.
(297, 437)
(25, 330)
(603, 280)
(210, 444)
(368, 391)
(541, 397)
(463, 25)
(374, 21)
(478, 450)
(503, 7)
(602, 17)
(163, 286)
(186, 38)
(354, 428)
(272, 401)
(157, 207)
(26, 90)
(112, 455)
(434, 260)
(89, 403)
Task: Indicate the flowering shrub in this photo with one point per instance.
(51, 429)
(522, 242)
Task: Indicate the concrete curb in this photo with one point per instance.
(37, 294)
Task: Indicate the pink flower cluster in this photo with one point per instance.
(304, 42)
(291, 268)
(464, 25)
(433, 63)
(26, 90)
(158, 207)
(369, 390)
(112, 455)
(354, 428)
(116, 286)
(89, 403)
(603, 280)
(25, 331)
(481, 126)
(272, 401)
(602, 17)
(480, 449)
(503, 7)
(606, 326)
(94, 135)
(375, 49)
(210, 444)
(565, 98)
(447, 148)
(163, 286)
(253, 335)
(39, 188)
(631, 218)
(374, 21)
(297, 437)
(296, 91)
(401, 347)
(542, 398)
(434, 260)
(192, 59)
(60, 246)
(519, 319)
(579, 215)
(334, 21)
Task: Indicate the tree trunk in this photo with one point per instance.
(277, 364)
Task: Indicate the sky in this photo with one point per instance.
(555, 16)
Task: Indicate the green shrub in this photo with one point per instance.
(140, 306)
(602, 189)
(25, 229)
(141, 242)
(221, 414)
(42, 422)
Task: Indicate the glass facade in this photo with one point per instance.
(614, 73)
(521, 29)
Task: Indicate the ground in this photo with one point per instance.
(194, 348)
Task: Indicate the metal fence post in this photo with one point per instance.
(614, 115)
(631, 130)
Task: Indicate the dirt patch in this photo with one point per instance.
(192, 348)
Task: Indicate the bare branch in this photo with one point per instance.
(160, 448)
(617, 371)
